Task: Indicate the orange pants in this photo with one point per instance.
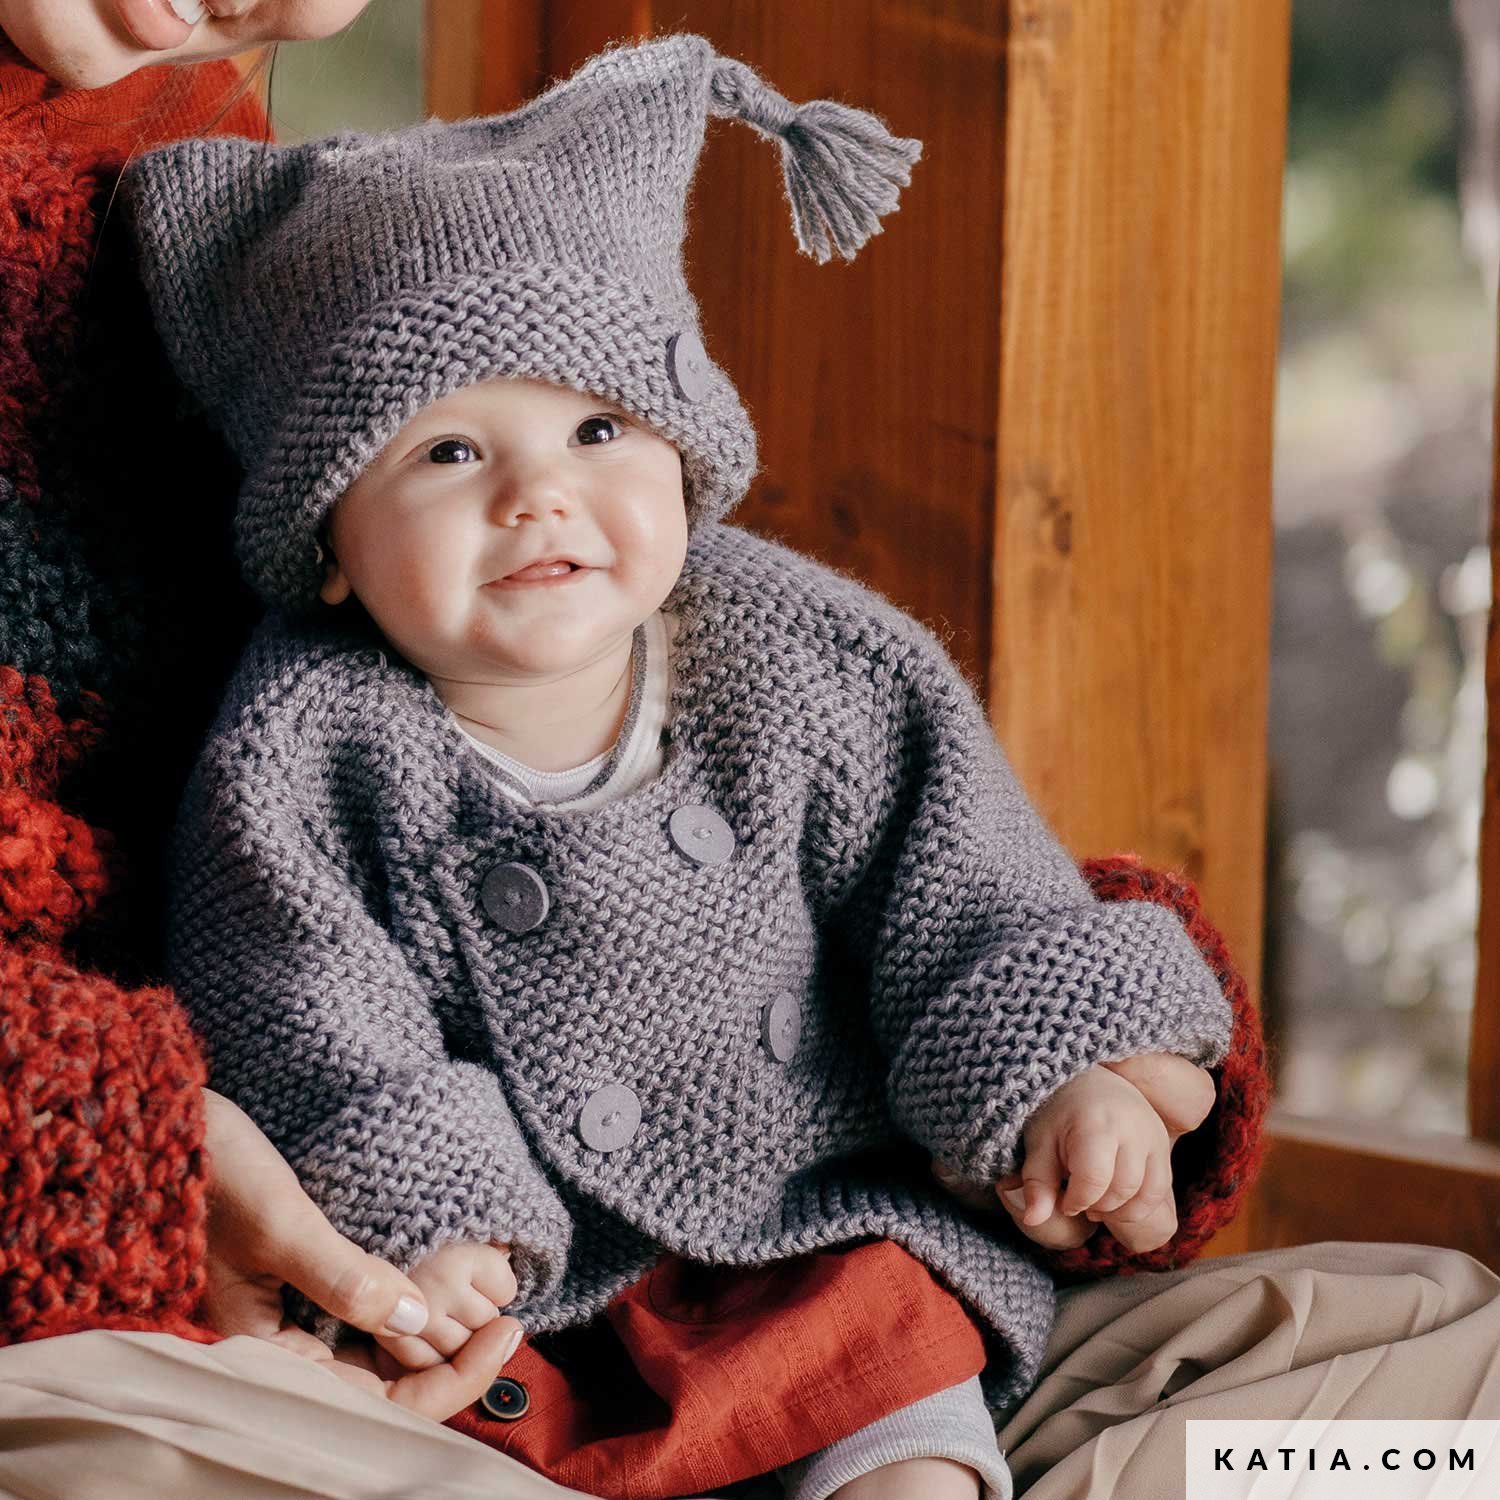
(699, 1376)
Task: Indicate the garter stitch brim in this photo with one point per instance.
(561, 324)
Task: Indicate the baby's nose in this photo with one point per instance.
(534, 497)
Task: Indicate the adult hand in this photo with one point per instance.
(1179, 1091)
(264, 1230)
(438, 1391)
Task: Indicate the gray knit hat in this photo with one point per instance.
(314, 298)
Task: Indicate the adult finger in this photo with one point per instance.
(359, 1376)
(262, 1225)
(363, 1290)
(299, 1341)
(447, 1388)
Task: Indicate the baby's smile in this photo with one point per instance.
(547, 571)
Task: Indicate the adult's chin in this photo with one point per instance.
(153, 24)
(90, 44)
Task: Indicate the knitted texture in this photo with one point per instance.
(52, 864)
(886, 879)
(315, 297)
(102, 1175)
(102, 1205)
(1214, 1166)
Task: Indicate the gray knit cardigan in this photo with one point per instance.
(738, 1053)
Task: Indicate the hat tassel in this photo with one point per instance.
(844, 170)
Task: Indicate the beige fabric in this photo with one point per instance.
(1330, 1330)
(143, 1416)
(1323, 1330)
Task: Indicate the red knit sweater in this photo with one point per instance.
(102, 1171)
(119, 616)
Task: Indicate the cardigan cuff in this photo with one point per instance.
(432, 1159)
(1097, 984)
(1215, 1165)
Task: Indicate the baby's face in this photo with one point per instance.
(481, 485)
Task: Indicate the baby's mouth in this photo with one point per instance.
(557, 573)
(543, 570)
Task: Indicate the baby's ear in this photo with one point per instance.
(335, 588)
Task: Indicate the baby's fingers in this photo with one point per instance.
(494, 1278)
(443, 1336)
(1091, 1168)
(1130, 1172)
(473, 1309)
(1140, 1226)
(1149, 1219)
(1156, 1187)
(1041, 1181)
(1054, 1233)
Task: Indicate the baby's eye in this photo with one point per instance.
(450, 451)
(601, 429)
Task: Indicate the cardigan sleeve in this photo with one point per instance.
(320, 1029)
(1214, 1166)
(994, 975)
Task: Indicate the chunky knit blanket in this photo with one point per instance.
(102, 1172)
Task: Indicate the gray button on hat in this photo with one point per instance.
(610, 1118)
(701, 834)
(515, 897)
(781, 1027)
(687, 364)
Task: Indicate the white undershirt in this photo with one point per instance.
(636, 755)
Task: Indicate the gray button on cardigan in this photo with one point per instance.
(427, 1069)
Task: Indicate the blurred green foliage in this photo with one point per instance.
(1349, 60)
(368, 77)
(1371, 209)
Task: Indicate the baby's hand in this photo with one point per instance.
(1100, 1135)
(465, 1284)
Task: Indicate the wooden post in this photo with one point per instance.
(1129, 675)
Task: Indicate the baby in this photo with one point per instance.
(574, 885)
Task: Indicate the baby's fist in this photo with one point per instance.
(466, 1284)
(1100, 1136)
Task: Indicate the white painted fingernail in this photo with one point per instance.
(410, 1316)
(512, 1344)
(1015, 1199)
(191, 11)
